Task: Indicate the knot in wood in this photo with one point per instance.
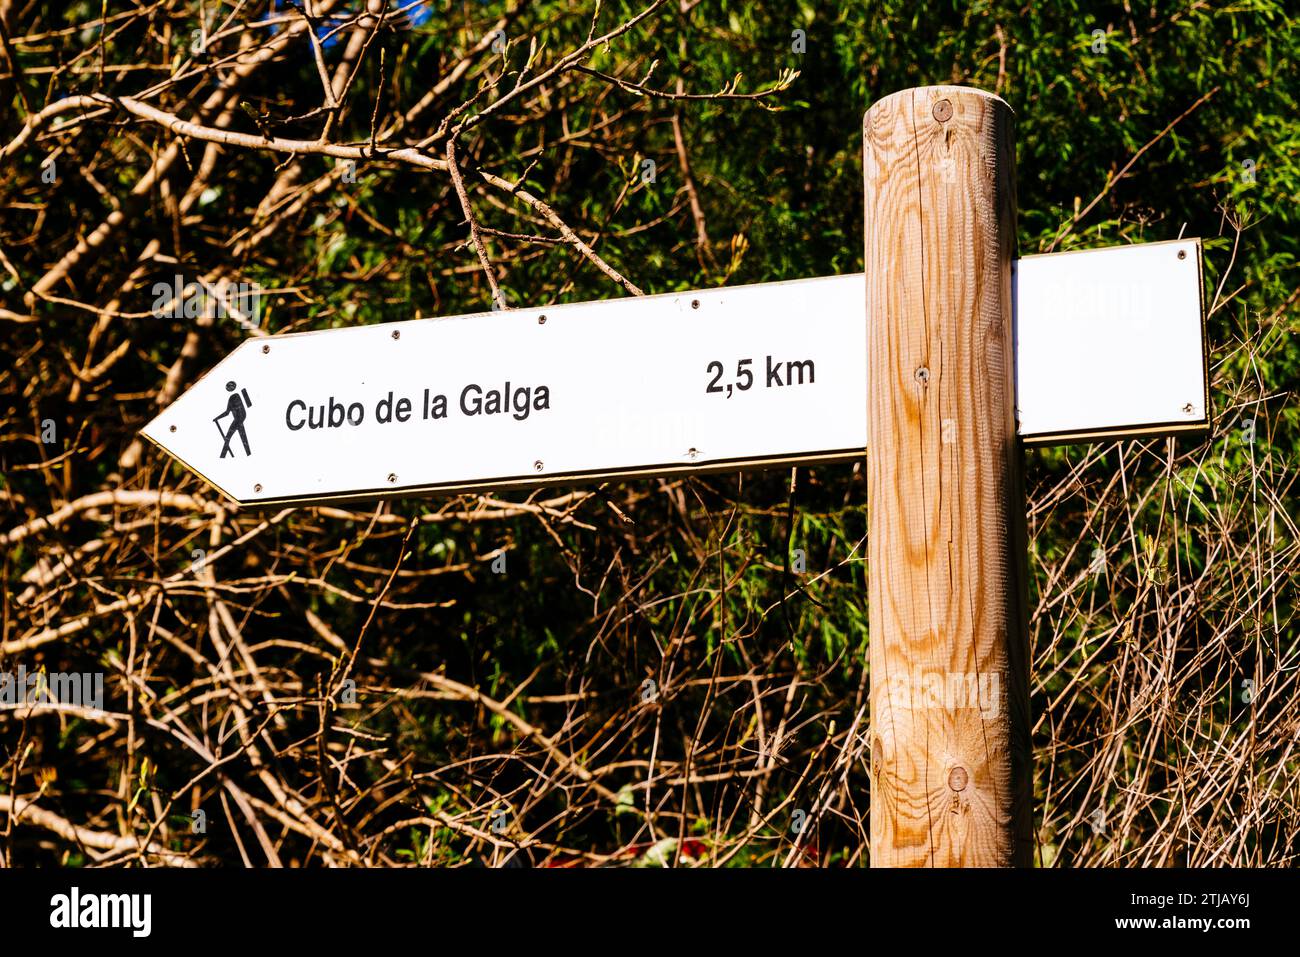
(943, 111)
(958, 778)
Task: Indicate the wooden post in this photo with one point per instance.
(950, 750)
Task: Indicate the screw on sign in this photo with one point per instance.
(938, 363)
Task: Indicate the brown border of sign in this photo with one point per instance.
(522, 483)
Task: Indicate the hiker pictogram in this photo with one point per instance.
(237, 407)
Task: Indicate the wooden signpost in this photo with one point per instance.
(966, 355)
(945, 506)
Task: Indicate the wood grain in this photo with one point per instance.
(949, 673)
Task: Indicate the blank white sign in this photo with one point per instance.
(1110, 341)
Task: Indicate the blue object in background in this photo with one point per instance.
(415, 13)
(405, 14)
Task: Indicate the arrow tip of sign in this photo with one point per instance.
(157, 432)
(155, 429)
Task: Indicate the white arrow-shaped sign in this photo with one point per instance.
(1109, 342)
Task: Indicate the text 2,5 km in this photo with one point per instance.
(778, 375)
